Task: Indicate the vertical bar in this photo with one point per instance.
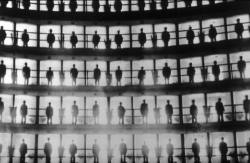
(85, 148)
(179, 70)
(84, 36)
(200, 23)
(14, 67)
(38, 72)
(13, 105)
(154, 64)
(155, 101)
(177, 33)
(38, 36)
(60, 140)
(85, 73)
(36, 149)
(61, 65)
(205, 97)
(37, 109)
(225, 25)
(61, 34)
(230, 75)
(175, 4)
(11, 145)
(132, 107)
(129, 5)
(235, 147)
(84, 6)
(183, 148)
(107, 33)
(133, 140)
(38, 6)
(153, 27)
(131, 72)
(108, 66)
(130, 36)
(209, 146)
(14, 34)
(108, 98)
(180, 109)
(61, 108)
(85, 111)
(233, 107)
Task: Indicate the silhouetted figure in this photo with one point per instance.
(118, 40)
(196, 151)
(49, 113)
(96, 39)
(188, 3)
(96, 5)
(223, 150)
(145, 151)
(118, 75)
(23, 151)
(14, 76)
(170, 152)
(121, 113)
(51, 39)
(144, 111)
(194, 112)
(2, 35)
(191, 73)
(26, 74)
(24, 112)
(123, 151)
(95, 151)
(48, 151)
(118, 5)
(241, 67)
(73, 5)
(169, 112)
(2, 71)
(50, 76)
(25, 38)
(166, 72)
(211, 2)
(4, 3)
(97, 75)
(141, 4)
(62, 77)
(73, 74)
(142, 38)
(165, 36)
(248, 149)
(75, 112)
(155, 76)
(1, 109)
(216, 71)
(73, 151)
(239, 29)
(204, 73)
(190, 36)
(50, 5)
(220, 109)
(141, 76)
(246, 107)
(26, 5)
(164, 4)
(96, 113)
(212, 33)
(73, 40)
